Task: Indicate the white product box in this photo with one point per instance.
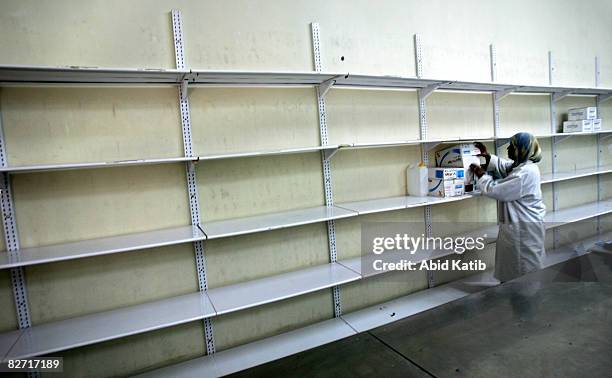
(576, 114)
(578, 126)
(446, 173)
(597, 124)
(460, 156)
(446, 188)
(454, 156)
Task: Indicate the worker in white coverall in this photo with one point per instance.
(516, 186)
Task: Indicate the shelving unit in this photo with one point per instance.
(90, 329)
(262, 351)
(41, 339)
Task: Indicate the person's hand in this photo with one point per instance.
(484, 153)
(482, 148)
(477, 169)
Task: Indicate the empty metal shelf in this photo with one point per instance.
(577, 213)
(95, 328)
(102, 246)
(271, 289)
(570, 175)
(92, 75)
(107, 164)
(285, 151)
(274, 221)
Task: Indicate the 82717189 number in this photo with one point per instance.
(42, 364)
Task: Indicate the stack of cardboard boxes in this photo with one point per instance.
(452, 175)
(582, 120)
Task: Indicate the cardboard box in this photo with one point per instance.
(446, 173)
(578, 126)
(453, 157)
(577, 114)
(597, 124)
(446, 188)
(460, 156)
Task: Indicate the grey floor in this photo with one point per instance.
(552, 323)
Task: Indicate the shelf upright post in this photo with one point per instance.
(599, 144)
(495, 96)
(327, 177)
(192, 186)
(11, 237)
(422, 95)
(553, 147)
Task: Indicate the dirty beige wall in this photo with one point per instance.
(94, 124)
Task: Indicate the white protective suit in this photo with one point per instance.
(520, 243)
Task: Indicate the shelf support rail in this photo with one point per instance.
(11, 237)
(327, 177)
(497, 96)
(599, 138)
(423, 93)
(192, 185)
(554, 97)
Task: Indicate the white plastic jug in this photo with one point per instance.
(416, 180)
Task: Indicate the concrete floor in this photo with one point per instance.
(552, 323)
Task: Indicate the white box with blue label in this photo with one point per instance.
(446, 188)
(446, 182)
(597, 124)
(577, 114)
(460, 156)
(580, 126)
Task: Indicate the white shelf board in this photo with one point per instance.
(381, 204)
(256, 78)
(67, 75)
(550, 135)
(577, 213)
(95, 328)
(397, 203)
(271, 289)
(285, 151)
(570, 175)
(274, 221)
(107, 164)
(101, 246)
(7, 340)
(258, 352)
(94, 75)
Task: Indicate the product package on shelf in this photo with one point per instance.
(577, 114)
(597, 124)
(578, 126)
(446, 188)
(446, 182)
(460, 156)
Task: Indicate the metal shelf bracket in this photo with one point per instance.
(603, 98)
(426, 91)
(560, 138)
(501, 142)
(325, 86)
(557, 96)
(329, 153)
(184, 90)
(430, 145)
(499, 95)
